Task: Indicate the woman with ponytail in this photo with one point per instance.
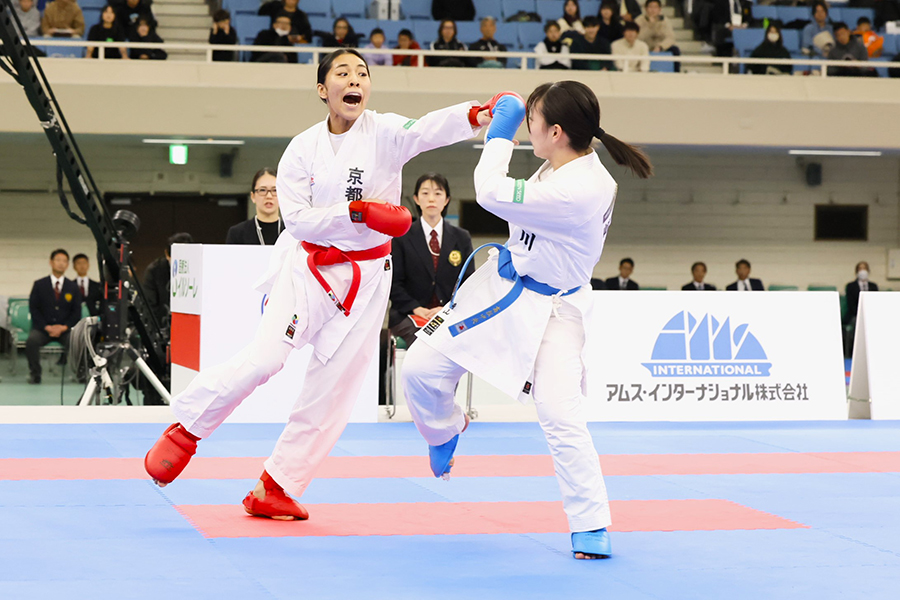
(521, 321)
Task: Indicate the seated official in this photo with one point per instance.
(157, 281)
(427, 260)
(264, 228)
(860, 284)
(55, 306)
(698, 270)
(744, 282)
(623, 281)
(90, 289)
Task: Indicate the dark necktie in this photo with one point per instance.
(56, 291)
(83, 289)
(435, 246)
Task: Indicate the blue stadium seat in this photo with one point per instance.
(349, 8)
(792, 13)
(765, 12)
(891, 45)
(426, 32)
(550, 10)
(791, 38)
(392, 28)
(589, 8)
(467, 31)
(745, 40)
(250, 25)
(662, 66)
(58, 51)
(851, 15)
(530, 35)
(243, 7)
(882, 71)
(92, 4)
(416, 9)
(511, 7)
(508, 35)
(321, 23)
(322, 8)
(363, 27)
(488, 8)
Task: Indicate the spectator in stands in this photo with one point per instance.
(630, 45)
(130, 12)
(453, 10)
(885, 10)
(698, 270)
(107, 30)
(571, 18)
(89, 289)
(744, 282)
(30, 17)
(487, 43)
(847, 47)
(624, 280)
(446, 41)
(277, 35)
(873, 42)
(157, 279)
(301, 30)
(860, 284)
(610, 21)
(223, 34)
(656, 30)
(591, 43)
(265, 227)
(145, 34)
(405, 41)
(376, 42)
(55, 305)
(812, 42)
(63, 18)
(554, 54)
(342, 35)
(427, 260)
(715, 19)
(771, 47)
(629, 10)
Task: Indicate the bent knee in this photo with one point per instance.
(269, 360)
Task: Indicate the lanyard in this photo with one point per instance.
(259, 234)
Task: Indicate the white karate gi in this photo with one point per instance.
(314, 187)
(558, 222)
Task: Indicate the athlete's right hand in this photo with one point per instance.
(383, 217)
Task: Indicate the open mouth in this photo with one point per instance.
(352, 98)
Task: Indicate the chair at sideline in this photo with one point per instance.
(776, 287)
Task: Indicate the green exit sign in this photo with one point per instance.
(178, 154)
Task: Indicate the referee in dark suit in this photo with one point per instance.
(427, 259)
(745, 283)
(698, 270)
(265, 227)
(55, 306)
(624, 280)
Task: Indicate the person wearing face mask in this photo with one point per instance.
(771, 47)
(427, 260)
(328, 281)
(265, 227)
(301, 30)
(277, 35)
(852, 290)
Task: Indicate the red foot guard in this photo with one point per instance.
(170, 454)
(276, 505)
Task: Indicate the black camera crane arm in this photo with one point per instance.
(17, 57)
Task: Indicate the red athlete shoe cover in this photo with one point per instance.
(276, 503)
(389, 219)
(170, 454)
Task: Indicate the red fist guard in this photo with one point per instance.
(170, 454)
(275, 504)
(389, 219)
(473, 112)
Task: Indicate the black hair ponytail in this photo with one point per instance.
(575, 108)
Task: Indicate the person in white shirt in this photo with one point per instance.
(630, 45)
(554, 54)
(328, 281)
(698, 270)
(571, 19)
(744, 283)
(623, 281)
(90, 289)
(521, 320)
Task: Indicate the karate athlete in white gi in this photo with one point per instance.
(339, 186)
(520, 321)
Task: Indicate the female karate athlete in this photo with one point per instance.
(520, 321)
(328, 283)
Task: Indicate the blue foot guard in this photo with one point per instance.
(594, 543)
(441, 456)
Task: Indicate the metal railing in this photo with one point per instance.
(631, 61)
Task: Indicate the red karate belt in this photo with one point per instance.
(321, 256)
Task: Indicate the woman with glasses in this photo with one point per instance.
(266, 226)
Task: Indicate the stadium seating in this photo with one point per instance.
(549, 10)
(530, 35)
(100, 4)
(91, 17)
(488, 8)
(662, 66)
(590, 8)
(416, 9)
(765, 12)
(746, 40)
(511, 7)
(794, 13)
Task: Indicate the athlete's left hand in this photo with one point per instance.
(484, 117)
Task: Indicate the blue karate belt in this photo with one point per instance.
(507, 271)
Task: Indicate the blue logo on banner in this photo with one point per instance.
(705, 347)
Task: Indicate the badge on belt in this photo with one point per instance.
(455, 258)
